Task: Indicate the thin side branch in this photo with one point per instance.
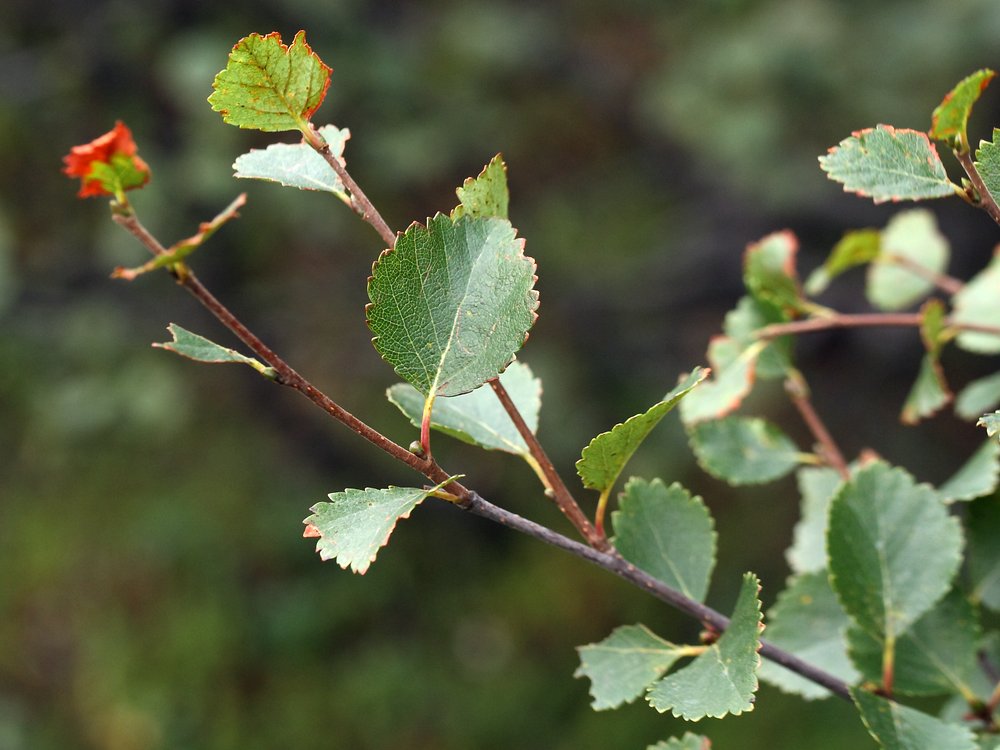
(560, 493)
(798, 391)
(861, 320)
(984, 200)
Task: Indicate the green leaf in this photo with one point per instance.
(603, 459)
(978, 397)
(452, 303)
(893, 549)
(478, 417)
(297, 165)
(723, 679)
(991, 422)
(854, 249)
(937, 655)
(687, 742)
(978, 303)
(984, 552)
(888, 164)
(988, 164)
(817, 486)
(624, 664)
(929, 393)
(808, 621)
(668, 533)
(951, 118)
(200, 349)
(743, 450)
(733, 369)
(485, 196)
(748, 317)
(769, 272)
(911, 238)
(978, 476)
(268, 86)
(898, 727)
(122, 172)
(355, 524)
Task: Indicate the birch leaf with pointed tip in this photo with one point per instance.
(478, 417)
(978, 303)
(951, 118)
(854, 249)
(452, 303)
(355, 524)
(269, 86)
(743, 450)
(898, 727)
(297, 165)
(913, 237)
(485, 195)
(668, 533)
(200, 349)
(978, 397)
(893, 549)
(817, 486)
(978, 477)
(688, 742)
(723, 679)
(808, 621)
(604, 458)
(888, 164)
(624, 664)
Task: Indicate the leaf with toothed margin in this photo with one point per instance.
(978, 477)
(668, 533)
(269, 86)
(743, 450)
(808, 621)
(485, 195)
(817, 486)
(723, 679)
(910, 238)
(898, 727)
(988, 164)
(297, 165)
(930, 392)
(978, 397)
(603, 459)
(769, 272)
(624, 664)
(200, 349)
(888, 164)
(688, 742)
(978, 303)
(478, 417)
(355, 524)
(854, 249)
(951, 118)
(983, 524)
(733, 373)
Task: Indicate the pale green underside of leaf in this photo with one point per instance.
(988, 164)
(817, 485)
(937, 655)
(486, 195)
(893, 549)
(951, 117)
(979, 303)
(452, 303)
(912, 235)
(355, 524)
(723, 679)
(977, 477)
(898, 727)
(743, 450)
(603, 459)
(984, 552)
(742, 322)
(267, 86)
(991, 422)
(478, 417)
(808, 621)
(297, 165)
(929, 393)
(624, 664)
(733, 371)
(668, 533)
(854, 249)
(688, 742)
(888, 164)
(769, 271)
(200, 349)
(978, 397)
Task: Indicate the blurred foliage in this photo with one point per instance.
(155, 589)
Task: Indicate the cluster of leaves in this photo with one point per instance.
(874, 598)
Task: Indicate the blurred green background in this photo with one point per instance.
(155, 591)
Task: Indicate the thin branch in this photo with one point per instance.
(798, 391)
(985, 199)
(614, 563)
(560, 493)
(944, 282)
(359, 201)
(862, 320)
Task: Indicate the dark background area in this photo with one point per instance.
(155, 591)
